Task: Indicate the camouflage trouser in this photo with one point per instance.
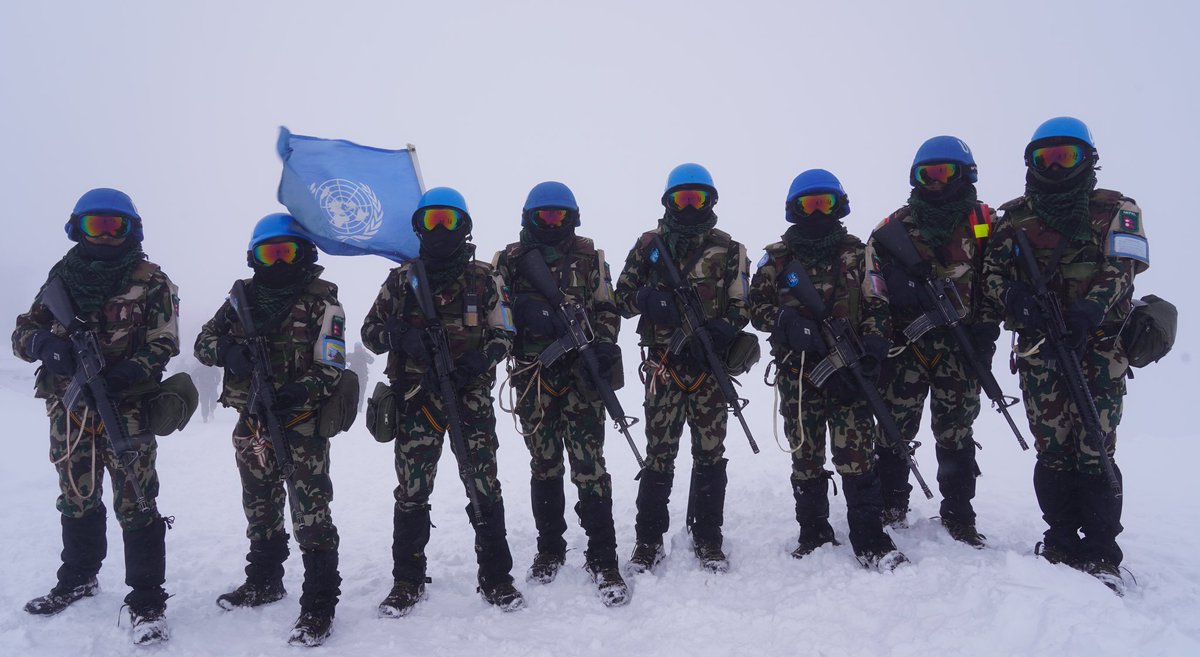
(932, 365)
(851, 428)
(423, 427)
(554, 418)
(80, 453)
(682, 393)
(1058, 434)
(264, 493)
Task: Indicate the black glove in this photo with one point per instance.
(412, 342)
(290, 396)
(1082, 320)
(1019, 302)
(983, 338)
(902, 288)
(841, 387)
(875, 353)
(608, 355)
(721, 332)
(55, 353)
(798, 332)
(469, 366)
(122, 375)
(534, 317)
(657, 306)
(234, 357)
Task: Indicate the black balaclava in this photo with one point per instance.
(814, 239)
(1061, 197)
(107, 252)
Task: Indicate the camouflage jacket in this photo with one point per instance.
(960, 259)
(307, 346)
(1098, 269)
(582, 275)
(719, 272)
(139, 324)
(471, 309)
(843, 295)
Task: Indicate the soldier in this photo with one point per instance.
(208, 381)
(300, 318)
(133, 309)
(469, 307)
(948, 227)
(558, 407)
(680, 389)
(833, 261)
(359, 361)
(1089, 244)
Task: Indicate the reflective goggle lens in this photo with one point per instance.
(95, 225)
(1064, 155)
(448, 218)
(930, 173)
(273, 252)
(813, 203)
(682, 198)
(550, 218)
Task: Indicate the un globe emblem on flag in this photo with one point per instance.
(353, 210)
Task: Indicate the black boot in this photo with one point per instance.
(1101, 524)
(264, 575)
(318, 599)
(84, 547)
(864, 507)
(145, 573)
(410, 535)
(956, 481)
(653, 520)
(812, 512)
(495, 559)
(894, 487)
(707, 504)
(549, 507)
(1059, 501)
(595, 515)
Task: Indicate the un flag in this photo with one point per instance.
(352, 199)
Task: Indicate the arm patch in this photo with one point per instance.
(1126, 245)
(330, 348)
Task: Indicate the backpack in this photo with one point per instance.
(1149, 333)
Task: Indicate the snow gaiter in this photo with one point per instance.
(491, 545)
(1060, 505)
(265, 559)
(864, 511)
(956, 482)
(653, 519)
(319, 594)
(549, 511)
(596, 517)
(146, 566)
(410, 535)
(893, 479)
(85, 544)
(707, 501)
(1101, 518)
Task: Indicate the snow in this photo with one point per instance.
(950, 600)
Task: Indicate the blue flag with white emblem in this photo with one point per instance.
(352, 199)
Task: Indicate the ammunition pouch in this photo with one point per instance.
(382, 415)
(172, 405)
(337, 414)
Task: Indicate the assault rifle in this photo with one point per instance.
(693, 329)
(577, 336)
(443, 366)
(845, 354)
(944, 303)
(261, 403)
(87, 383)
(1068, 361)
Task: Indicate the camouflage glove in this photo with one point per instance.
(54, 352)
(607, 357)
(983, 338)
(798, 332)
(657, 306)
(901, 287)
(1082, 320)
(120, 376)
(234, 357)
(534, 318)
(1019, 302)
(875, 353)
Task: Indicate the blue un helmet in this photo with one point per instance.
(442, 197)
(550, 194)
(818, 181)
(104, 200)
(944, 148)
(280, 224)
(1061, 129)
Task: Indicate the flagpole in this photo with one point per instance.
(412, 150)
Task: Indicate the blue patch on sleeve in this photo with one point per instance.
(1126, 245)
(333, 352)
(763, 260)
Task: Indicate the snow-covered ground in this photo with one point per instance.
(951, 600)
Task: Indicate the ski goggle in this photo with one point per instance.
(447, 218)
(1066, 156)
(931, 173)
(96, 225)
(683, 198)
(813, 203)
(551, 218)
(275, 252)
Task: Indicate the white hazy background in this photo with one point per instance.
(179, 104)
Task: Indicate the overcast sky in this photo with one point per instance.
(179, 105)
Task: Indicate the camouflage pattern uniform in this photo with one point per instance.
(933, 367)
(139, 324)
(807, 409)
(306, 346)
(556, 407)
(1071, 489)
(471, 311)
(680, 390)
